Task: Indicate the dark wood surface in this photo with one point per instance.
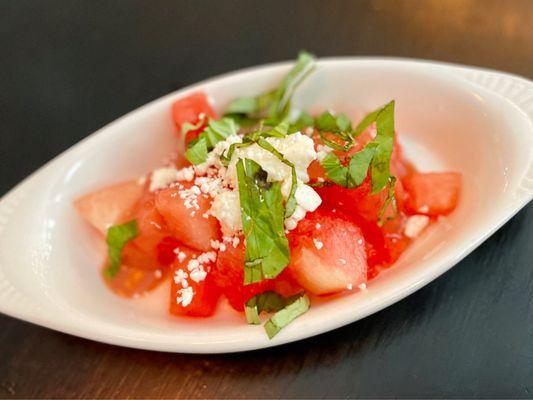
(67, 68)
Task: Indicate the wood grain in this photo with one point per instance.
(70, 67)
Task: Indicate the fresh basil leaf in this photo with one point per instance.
(359, 164)
(280, 107)
(267, 301)
(391, 199)
(246, 105)
(262, 214)
(305, 120)
(290, 205)
(376, 155)
(366, 122)
(343, 123)
(216, 131)
(187, 126)
(225, 159)
(275, 104)
(380, 170)
(326, 122)
(117, 237)
(280, 131)
(197, 152)
(332, 144)
(335, 170)
(297, 306)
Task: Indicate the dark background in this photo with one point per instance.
(68, 68)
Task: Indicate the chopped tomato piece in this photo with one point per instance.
(185, 212)
(192, 109)
(130, 282)
(327, 253)
(109, 206)
(433, 194)
(192, 290)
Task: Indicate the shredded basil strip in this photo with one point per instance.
(262, 213)
(290, 206)
(380, 170)
(391, 199)
(376, 155)
(268, 301)
(216, 131)
(117, 237)
(298, 305)
(275, 104)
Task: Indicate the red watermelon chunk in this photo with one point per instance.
(193, 291)
(109, 206)
(327, 253)
(192, 109)
(185, 211)
(433, 194)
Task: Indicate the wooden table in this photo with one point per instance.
(70, 67)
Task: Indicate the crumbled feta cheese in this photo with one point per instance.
(306, 197)
(299, 213)
(185, 296)
(296, 148)
(198, 275)
(180, 276)
(362, 286)
(317, 226)
(290, 224)
(162, 178)
(342, 261)
(226, 207)
(318, 244)
(415, 225)
(349, 286)
(209, 256)
(186, 174)
(235, 242)
(192, 264)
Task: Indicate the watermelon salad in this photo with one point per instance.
(269, 208)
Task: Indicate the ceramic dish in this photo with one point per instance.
(469, 120)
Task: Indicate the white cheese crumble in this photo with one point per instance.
(198, 275)
(318, 243)
(226, 207)
(415, 225)
(342, 261)
(349, 286)
(162, 178)
(306, 197)
(362, 286)
(296, 148)
(185, 296)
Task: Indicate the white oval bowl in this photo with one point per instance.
(463, 119)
